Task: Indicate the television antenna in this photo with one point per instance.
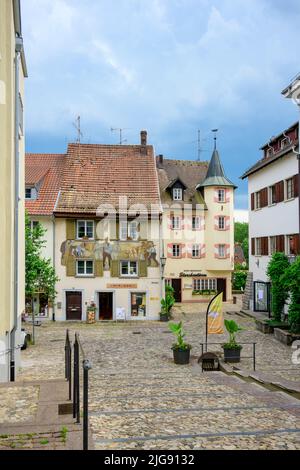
(120, 131)
(77, 125)
(200, 149)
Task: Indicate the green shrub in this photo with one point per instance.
(277, 266)
(239, 280)
(291, 281)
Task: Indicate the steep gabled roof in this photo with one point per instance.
(215, 174)
(190, 173)
(44, 171)
(97, 174)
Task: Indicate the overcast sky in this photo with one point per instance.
(169, 66)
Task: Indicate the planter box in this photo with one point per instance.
(262, 325)
(285, 337)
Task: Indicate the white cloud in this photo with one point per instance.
(241, 216)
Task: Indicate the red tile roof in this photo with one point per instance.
(100, 174)
(45, 171)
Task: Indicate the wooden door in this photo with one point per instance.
(74, 305)
(105, 305)
(176, 284)
(221, 285)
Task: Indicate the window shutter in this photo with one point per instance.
(279, 191)
(253, 246)
(265, 246)
(143, 269)
(296, 186)
(297, 244)
(115, 268)
(252, 202)
(264, 197)
(98, 268)
(71, 267)
(280, 243)
(70, 229)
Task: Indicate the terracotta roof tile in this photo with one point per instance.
(100, 174)
(45, 171)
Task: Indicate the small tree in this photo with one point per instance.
(39, 273)
(291, 280)
(278, 264)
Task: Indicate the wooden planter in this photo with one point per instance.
(264, 327)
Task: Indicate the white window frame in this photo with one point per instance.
(287, 197)
(177, 194)
(85, 274)
(222, 250)
(223, 225)
(33, 224)
(33, 194)
(146, 306)
(271, 203)
(85, 229)
(174, 250)
(258, 247)
(272, 245)
(205, 284)
(257, 200)
(287, 244)
(129, 262)
(196, 251)
(221, 199)
(127, 229)
(176, 222)
(196, 222)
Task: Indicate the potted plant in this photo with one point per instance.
(167, 304)
(91, 313)
(232, 350)
(181, 349)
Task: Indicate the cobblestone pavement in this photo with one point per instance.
(18, 404)
(139, 399)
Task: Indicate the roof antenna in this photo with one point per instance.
(77, 125)
(121, 141)
(215, 131)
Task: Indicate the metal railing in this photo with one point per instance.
(72, 374)
(252, 357)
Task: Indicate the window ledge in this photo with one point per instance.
(290, 199)
(91, 276)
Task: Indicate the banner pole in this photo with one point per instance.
(207, 312)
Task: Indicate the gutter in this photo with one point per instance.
(18, 49)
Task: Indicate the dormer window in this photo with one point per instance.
(30, 193)
(284, 143)
(270, 152)
(177, 194)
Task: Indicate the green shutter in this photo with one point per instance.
(144, 230)
(70, 229)
(115, 268)
(98, 268)
(143, 269)
(71, 267)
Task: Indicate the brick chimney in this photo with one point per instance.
(144, 138)
(160, 161)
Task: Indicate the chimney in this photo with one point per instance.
(144, 138)
(160, 161)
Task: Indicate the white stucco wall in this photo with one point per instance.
(279, 219)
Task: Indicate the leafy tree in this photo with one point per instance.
(241, 235)
(277, 266)
(239, 280)
(291, 281)
(39, 273)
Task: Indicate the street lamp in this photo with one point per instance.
(163, 261)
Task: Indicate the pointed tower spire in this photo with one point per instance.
(215, 174)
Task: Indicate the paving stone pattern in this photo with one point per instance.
(139, 399)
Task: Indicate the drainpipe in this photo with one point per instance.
(18, 50)
(54, 264)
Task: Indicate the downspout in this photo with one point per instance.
(18, 50)
(54, 264)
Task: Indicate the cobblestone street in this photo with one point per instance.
(139, 399)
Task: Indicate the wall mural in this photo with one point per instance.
(108, 251)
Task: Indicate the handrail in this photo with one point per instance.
(78, 351)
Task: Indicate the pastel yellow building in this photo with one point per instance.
(12, 74)
(198, 227)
